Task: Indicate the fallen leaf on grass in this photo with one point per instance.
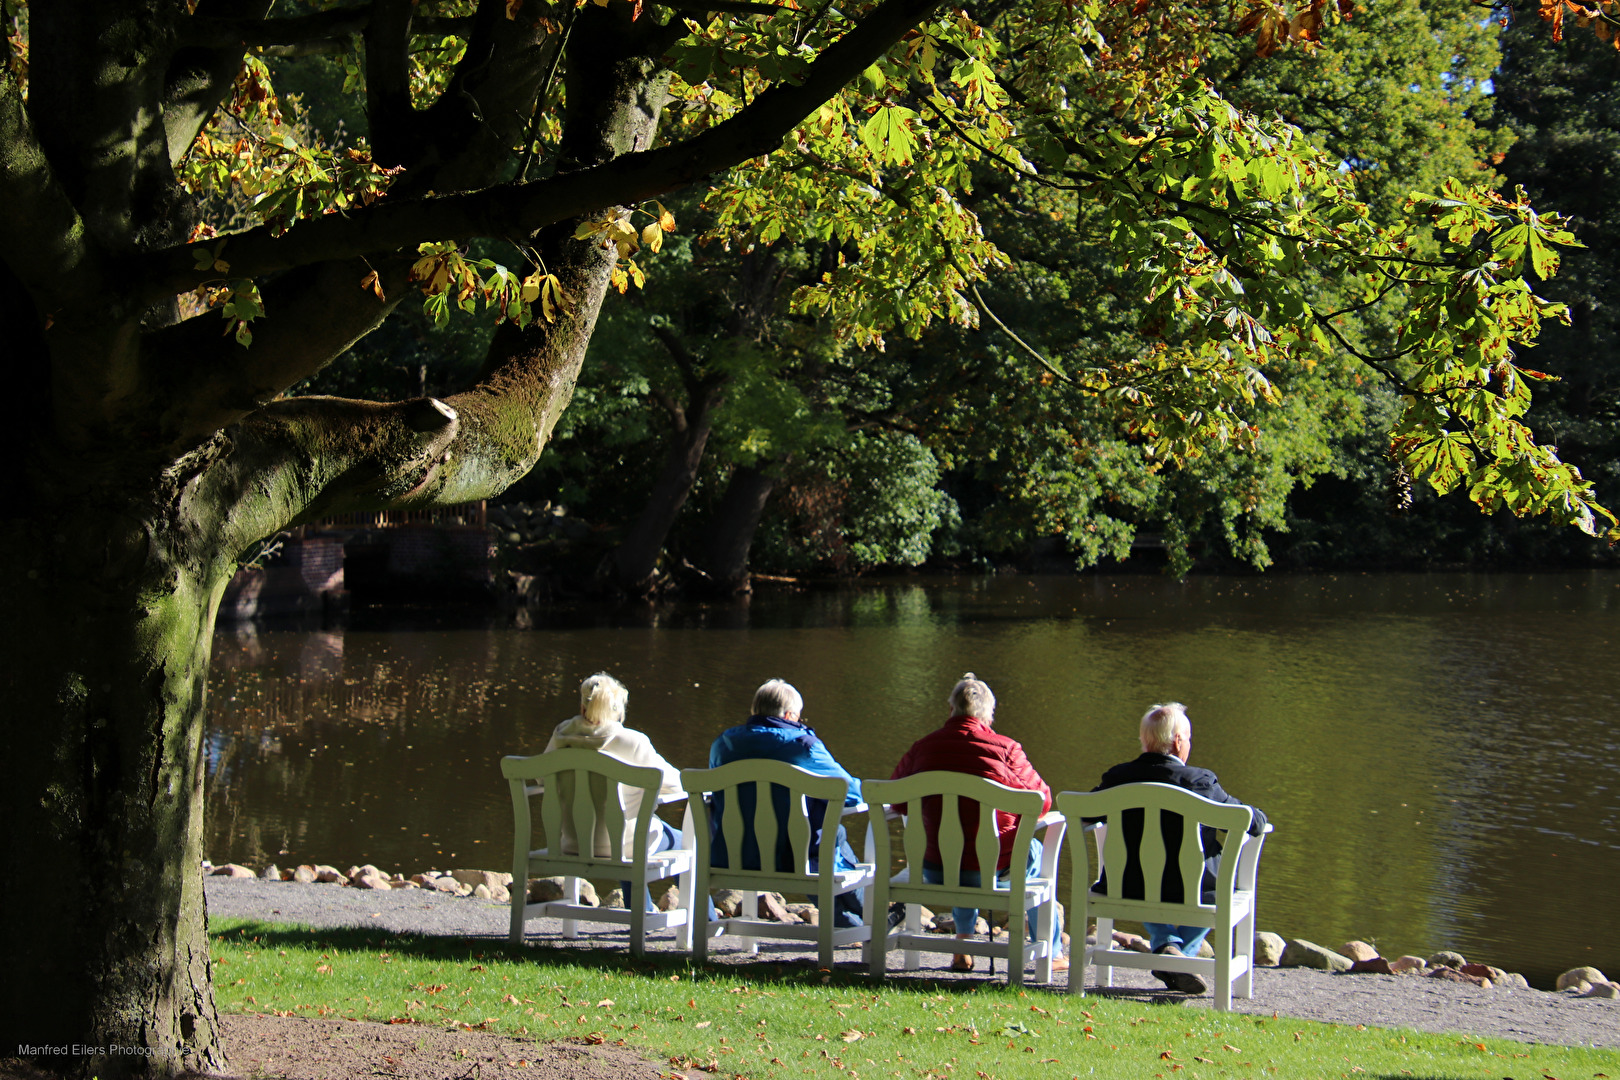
(852, 1035)
(511, 999)
(605, 1003)
(703, 1023)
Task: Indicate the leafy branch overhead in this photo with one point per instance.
(870, 131)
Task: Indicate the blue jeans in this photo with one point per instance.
(1185, 938)
(965, 917)
(666, 838)
(847, 907)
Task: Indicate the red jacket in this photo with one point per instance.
(967, 745)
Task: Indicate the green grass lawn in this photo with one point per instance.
(794, 1020)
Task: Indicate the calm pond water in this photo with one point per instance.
(1440, 753)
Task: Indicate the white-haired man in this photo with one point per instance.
(776, 731)
(966, 744)
(1166, 736)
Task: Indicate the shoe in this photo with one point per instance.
(1184, 981)
(897, 915)
(961, 962)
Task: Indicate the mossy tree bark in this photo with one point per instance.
(148, 453)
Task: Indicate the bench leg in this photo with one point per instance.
(570, 927)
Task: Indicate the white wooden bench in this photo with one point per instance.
(576, 783)
(1137, 887)
(732, 781)
(1018, 895)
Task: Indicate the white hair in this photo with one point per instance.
(602, 699)
(1162, 724)
(777, 697)
(972, 697)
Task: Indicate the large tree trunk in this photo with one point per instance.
(107, 632)
(117, 553)
(731, 533)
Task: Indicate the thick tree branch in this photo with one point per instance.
(320, 28)
(306, 457)
(200, 77)
(196, 380)
(202, 31)
(519, 210)
(388, 83)
(42, 237)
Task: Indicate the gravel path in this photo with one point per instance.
(1532, 1016)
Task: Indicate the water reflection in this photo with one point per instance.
(1439, 752)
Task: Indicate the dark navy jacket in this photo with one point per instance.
(1155, 768)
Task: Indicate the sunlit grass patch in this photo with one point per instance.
(792, 1020)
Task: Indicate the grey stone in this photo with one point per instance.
(234, 870)
(501, 894)
(671, 900)
(1307, 954)
(541, 890)
(1574, 977)
(614, 899)
(1268, 948)
(1407, 963)
(1206, 950)
(481, 891)
(487, 878)
(1358, 950)
(306, 875)
(446, 884)
(1603, 990)
(271, 873)
(372, 881)
(727, 902)
(1447, 958)
(773, 906)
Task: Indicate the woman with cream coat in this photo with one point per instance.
(600, 726)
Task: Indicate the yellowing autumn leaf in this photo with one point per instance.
(887, 133)
(852, 1035)
(652, 236)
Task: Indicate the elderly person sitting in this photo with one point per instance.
(776, 732)
(1166, 736)
(600, 726)
(966, 744)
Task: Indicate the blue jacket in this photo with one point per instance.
(775, 739)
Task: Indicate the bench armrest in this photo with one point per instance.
(1052, 825)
